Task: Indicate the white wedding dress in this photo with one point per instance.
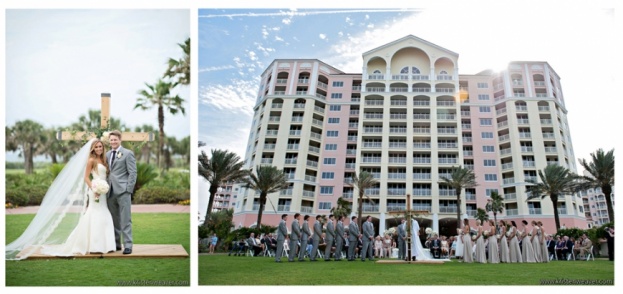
(94, 232)
(416, 245)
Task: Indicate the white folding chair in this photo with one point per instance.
(589, 254)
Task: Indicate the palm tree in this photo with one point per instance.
(343, 207)
(147, 147)
(159, 95)
(180, 68)
(364, 181)
(555, 180)
(29, 137)
(221, 167)
(460, 178)
(601, 170)
(482, 215)
(267, 179)
(495, 205)
(54, 148)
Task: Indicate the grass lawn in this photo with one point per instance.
(220, 269)
(148, 228)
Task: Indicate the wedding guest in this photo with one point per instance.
(566, 249)
(584, 248)
(238, 247)
(550, 244)
(467, 242)
(610, 240)
(213, 242)
(402, 242)
(445, 248)
(340, 239)
(528, 251)
(435, 246)
(560, 244)
(295, 235)
(330, 237)
(388, 245)
(353, 235)
(480, 244)
(504, 251)
(254, 244)
(378, 247)
(494, 255)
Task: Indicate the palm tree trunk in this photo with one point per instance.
(554, 198)
(213, 189)
(161, 128)
(458, 209)
(360, 209)
(28, 162)
(607, 189)
(259, 212)
(495, 219)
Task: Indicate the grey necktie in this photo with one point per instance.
(112, 160)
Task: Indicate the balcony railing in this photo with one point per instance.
(534, 210)
(421, 103)
(400, 176)
(396, 191)
(446, 103)
(422, 192)
(513, 211)
(308, 194)
(395, 207)
(508, 181)
(375, 89)
(422, 145)
(307, 209)
(421, 176)
(447, 209)
(543, 108)
(376, 77)
(446, 116)
(370, 208)
(283, 207)
(421, 159)
(507, 165)
(422, 207)
(510, 196)
(374, 102)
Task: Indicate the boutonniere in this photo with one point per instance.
(119, 155)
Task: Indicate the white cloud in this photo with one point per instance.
(370, 26)
(252, 55)
(367, 16)
(264, 32)
(279, 39)
(238, 96)
(286, 21)
(216, 68)
(323, 37)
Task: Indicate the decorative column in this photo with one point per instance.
(382, 224)
(436, 222)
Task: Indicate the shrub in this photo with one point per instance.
(145, 173)
(55, 169)
(151, 195)
(16, 197)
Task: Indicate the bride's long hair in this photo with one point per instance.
(100, 158)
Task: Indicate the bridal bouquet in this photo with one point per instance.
(99, 187)
(474, 238)
(391, 231)
(485, 233)
(508, 234)
(429, 231)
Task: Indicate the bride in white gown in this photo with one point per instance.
(417, 250)
(65, 225)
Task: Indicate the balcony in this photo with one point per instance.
(505, 151)
(469, 196)
(421, 176)
(422, 192)
(447, 145)
(421, 90)
(352, 151)
(525, 135)
(549, 136)
(370, 208)
(375, 89)
(423, 116)
(471, 212)
(350, 165)
(421, 145)
(266, 161)
(317, 122)
(468, 153)
(523, 121)
(316, 136)
(446, 103)
(371, 160)
(322, 85)
(513, 211)
(308, 194)
(398, 103)
(299, 105)
(352, 139)
(446, 209)
(444, 90)
(286, 192)
(419, 77)
(295, 132)
(397, 145)
(504, 137)
(546, 121)
(562, 211)
(510, 196)
(303, 81)
(532, 179)
(446, 116)
(373, 115)
(500, 111)
(283, 207)
(507, 165)
(421, 103)
(347, 195)
(372, 144)
(297, 119)
(398, 116)
(374, 102)
(399, 176)
(313, 149)
(293, 147)
(422, 207)
(354, 113)
(274, 118)
(446, 130)
(318, 109)
(526, 149)
(397, 160)
(270, 146)
(534, 211)
(529, 164)
(446, 192)
(421, 130)
(396, 207)
(425, 160)
(290, 161)
(377, 130)
(398, 89)
(544, 108)
(277, 105)
(357, 88)
(522, 108)
(376, 77)
(508, 181)
(398, 130)
(445, 175)
(448, 161)
(282, 81)
(373, 191)
(307, 209)
(444, 77)
(396, 191)
(312, 163)
(551, 149)
(503, 124)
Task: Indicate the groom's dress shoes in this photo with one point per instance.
(127, 251)
(118, 249)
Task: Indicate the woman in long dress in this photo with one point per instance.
(526, 244)
(64, 224)
(494, 255)
(513, 244)
(535, 239)
(481, 253)
(544, 249)
(417, 250)
(504, 253)
(458, 248)
(467, 243)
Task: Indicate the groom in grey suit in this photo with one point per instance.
(282, 232)
(122, 179)
(368, 239)
(353, 238)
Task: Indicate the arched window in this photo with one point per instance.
(404, 70)
(415, 70)
(443, 72)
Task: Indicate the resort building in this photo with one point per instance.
(408, 118)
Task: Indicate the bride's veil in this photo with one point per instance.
(60, 210)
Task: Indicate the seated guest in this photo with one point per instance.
(583, 248)
(566, 249)
(551, 245)
(359, 247)
(560, 244)
(378, 247)
(388, 245)
(435, 246)
(254, 244)
(444, 246)
(238, 247)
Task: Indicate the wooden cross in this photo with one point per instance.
(408, 214)
(105, 117)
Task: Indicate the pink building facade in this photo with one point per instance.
(408, 119)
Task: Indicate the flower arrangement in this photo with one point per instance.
(10, 205)
(497, 236)
(99, 187)
(508, 233)
(486, 233)
(429, 231)
(518, 233)
(390, 231)
(474, 238)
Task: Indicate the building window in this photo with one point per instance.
(336, 95)
(483, 85)
(338, 84)
(486, 122)
(330, 147)
(489, 162)
(488, 149)
(328, 175)
(334, 120)
(332, 133)
(329, 161)
(324, 205)
(488, 192)
(483, 96)
(335, 107)
(485, 108)
(491, 177)
(487, 135)
(326, 190)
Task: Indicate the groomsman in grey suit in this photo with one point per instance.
(353, 237)
(282, 232)
(294, 237)
(339, 239)
(402, 240)
(329, 239)
(368, 239)
(304, 238)
(316, 238)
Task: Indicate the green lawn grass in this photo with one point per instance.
(220, 269)
(147, 228)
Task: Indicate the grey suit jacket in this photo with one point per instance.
(282, 231)
(340, 230)
(368, 230)
(353, 232)
(330, 231)
(402, 233)
(306, 232)
(317, 231)
(296, 231)
(122, 177)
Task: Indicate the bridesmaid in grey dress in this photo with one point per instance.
(504, 253)
(513, 244)
(467, 243)
(544, 251)
(536, 241)
(481, 254)
(527, 251)
(494, 256)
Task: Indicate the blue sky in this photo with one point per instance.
(236, 45)
(60, 61)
